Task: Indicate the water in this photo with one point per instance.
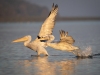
(15, 59)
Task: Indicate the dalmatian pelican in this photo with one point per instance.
(65, 43)
(45, 33)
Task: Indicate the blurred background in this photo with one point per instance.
(37, 10)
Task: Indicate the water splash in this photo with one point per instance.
(84, 53)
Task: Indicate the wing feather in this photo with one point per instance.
(49, 23)
(64, 37)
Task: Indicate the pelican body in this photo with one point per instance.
(62, 46)
(36, 45)
(45, 34)
(65, 43)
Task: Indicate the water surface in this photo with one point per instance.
(15, 59)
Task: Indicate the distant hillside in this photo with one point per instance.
(20, 10)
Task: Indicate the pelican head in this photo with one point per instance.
(23, 39)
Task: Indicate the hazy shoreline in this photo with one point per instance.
(38, 19)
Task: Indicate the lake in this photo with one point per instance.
(15, 59)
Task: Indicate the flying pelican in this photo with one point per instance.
(45, 34)
(65, 43)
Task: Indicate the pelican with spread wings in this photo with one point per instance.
(45, 33)
(65, 43)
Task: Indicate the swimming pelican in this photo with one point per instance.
(45, 34)
(65, 43)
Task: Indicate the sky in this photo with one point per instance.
(73, 8)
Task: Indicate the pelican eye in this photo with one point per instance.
(38, 37)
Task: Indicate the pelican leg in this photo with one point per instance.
(46, 54)
(75, 52)
(78, 53)
(42, 50)
(38, 54)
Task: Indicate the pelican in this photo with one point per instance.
(45, 33)
(65, 43)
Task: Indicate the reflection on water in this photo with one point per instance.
(41, 66)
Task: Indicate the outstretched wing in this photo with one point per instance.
(64, 37)
(49, 23)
